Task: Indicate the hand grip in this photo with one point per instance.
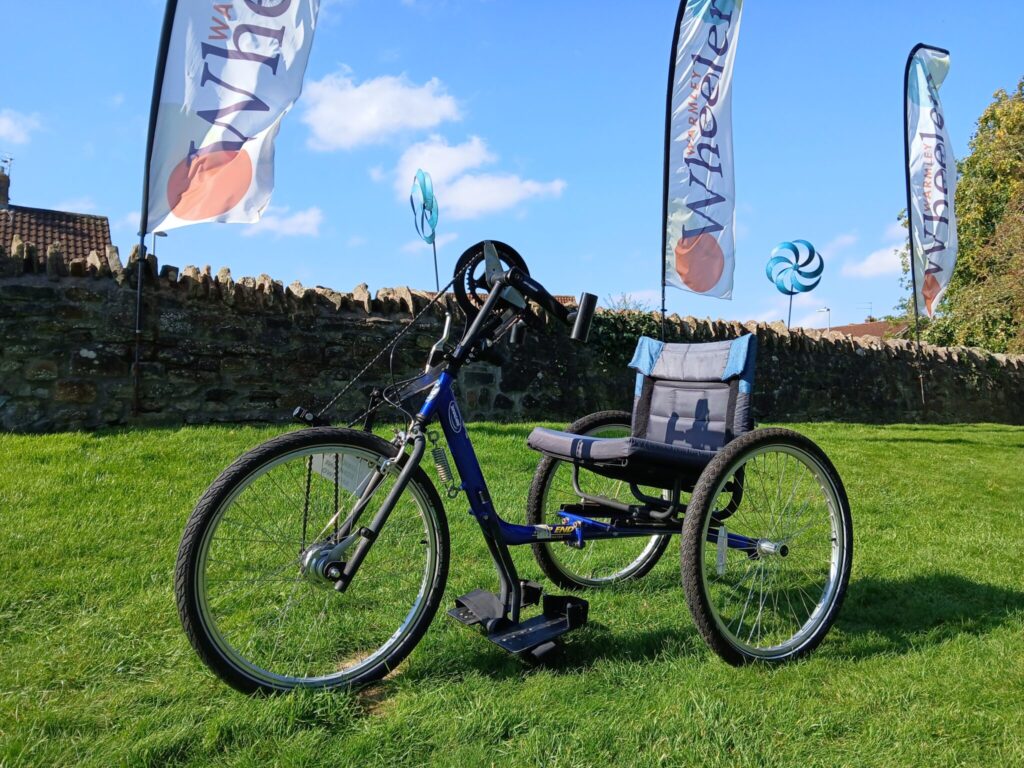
(518, 334)
(584, 317)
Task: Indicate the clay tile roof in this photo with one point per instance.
(878, 328)
(78, 233)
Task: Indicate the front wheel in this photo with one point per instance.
(253, 581)
(765, 583)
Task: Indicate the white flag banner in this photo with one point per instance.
(931, 177)
(700, 188)
(231, 71)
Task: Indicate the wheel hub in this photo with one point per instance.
(768, 547)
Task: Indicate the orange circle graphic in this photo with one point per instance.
(210, 185)
(699, 262)
(929, 291)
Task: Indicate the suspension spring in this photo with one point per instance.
(444, 470)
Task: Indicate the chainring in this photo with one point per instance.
(471, 286)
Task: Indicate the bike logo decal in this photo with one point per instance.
(454, 417)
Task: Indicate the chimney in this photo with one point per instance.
(5, 189)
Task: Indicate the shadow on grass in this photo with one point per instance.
(899, 615)
(880, 616)
(1002, 444)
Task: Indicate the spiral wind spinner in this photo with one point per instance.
(794, 272)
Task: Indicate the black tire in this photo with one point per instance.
(540, 511)
(215, 651)
(722, 629)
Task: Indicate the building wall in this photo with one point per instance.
(217, 350)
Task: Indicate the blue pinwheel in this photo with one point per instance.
(795, 267)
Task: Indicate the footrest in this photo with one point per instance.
(481, 606)
(477, 607)
(561, 614)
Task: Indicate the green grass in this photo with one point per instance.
(924, 667)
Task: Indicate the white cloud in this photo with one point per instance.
(130, 221)
(884, 261)
(356, 241)
(17, 128)
(342, 114)
(116, 100)
(464, 195)
(896, 231)
(77, 205)
(280, 223)
(839, 243)
(377, 174)
(443, 161)
(471, 196)
(817, 319)
(418, 246)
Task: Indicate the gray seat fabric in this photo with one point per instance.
(615, 450)
(690, 400)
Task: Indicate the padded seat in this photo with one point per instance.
(628, 458)
(690, 401)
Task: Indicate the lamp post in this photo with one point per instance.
(828, 315)
(155, 236)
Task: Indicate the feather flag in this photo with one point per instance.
(698, 242)
(931, 177)
(227, 74)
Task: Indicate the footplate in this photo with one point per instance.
(483, 607)
(561, 614)
(533, 636)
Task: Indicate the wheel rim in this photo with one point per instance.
(284, 629)
(772, 603)
(600, 562)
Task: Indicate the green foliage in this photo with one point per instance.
(989, 310)
(924, 666)
(982, 306)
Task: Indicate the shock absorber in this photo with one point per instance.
(444, 469)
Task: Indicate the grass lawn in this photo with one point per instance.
(925, 666)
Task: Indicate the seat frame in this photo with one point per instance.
(662, 369)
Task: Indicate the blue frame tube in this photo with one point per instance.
(441, 405)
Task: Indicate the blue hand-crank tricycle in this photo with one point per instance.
(319, 558)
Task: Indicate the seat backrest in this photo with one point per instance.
(694, 395)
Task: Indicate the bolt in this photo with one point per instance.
(334, 573)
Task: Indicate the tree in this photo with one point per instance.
(989, 194)
(983, 304)
(627, 302)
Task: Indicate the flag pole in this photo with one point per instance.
(668, 145)
(140, 266)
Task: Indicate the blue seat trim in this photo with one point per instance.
(646, 356)
(742, 358)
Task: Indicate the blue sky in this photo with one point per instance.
(545, 121)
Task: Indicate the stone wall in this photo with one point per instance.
(220, 350)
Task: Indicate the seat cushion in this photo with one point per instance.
(634, 452)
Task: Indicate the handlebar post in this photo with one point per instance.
(470, 337)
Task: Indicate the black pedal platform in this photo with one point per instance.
(481, 606)
(534, 636)
(561, 614)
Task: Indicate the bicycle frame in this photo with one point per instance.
(500, 534)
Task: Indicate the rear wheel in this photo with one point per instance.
(775, 598)
(254, 583)
(599, 563)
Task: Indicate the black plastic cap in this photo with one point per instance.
(584, 317)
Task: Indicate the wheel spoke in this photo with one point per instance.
(283, 628)
(776, 602)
